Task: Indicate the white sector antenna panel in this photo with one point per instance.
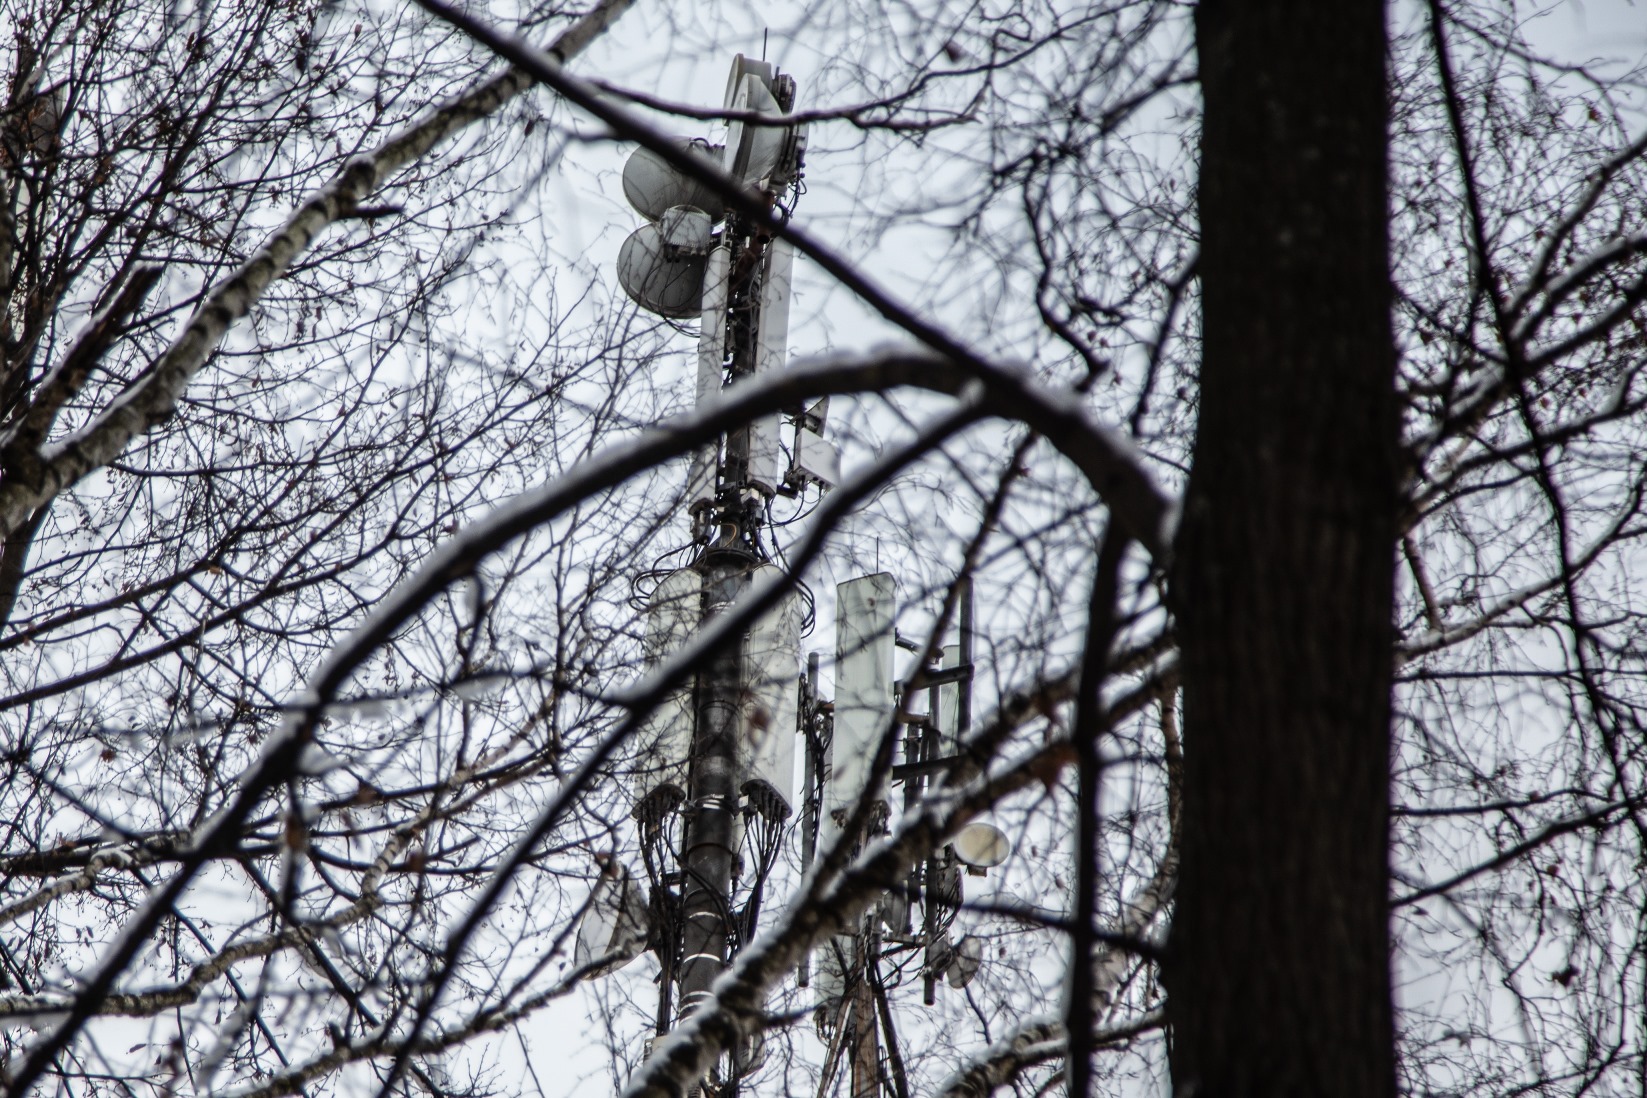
(769, 714)
(672, 615)
(771, 353)
(700, 481)
(948, 717)
(815, 459)
(863, 695)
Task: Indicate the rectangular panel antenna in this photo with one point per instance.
(771, 353)
(770, 710)
(700, 481)
(864, 638)
(665, 741)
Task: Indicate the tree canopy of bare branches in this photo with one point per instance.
(1256, 387)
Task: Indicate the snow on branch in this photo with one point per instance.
(1032, 1044)
(736, 1007)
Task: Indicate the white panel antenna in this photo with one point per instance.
(863, 695)
(815, 460)
(700, 480)
(672, 615)
(750, 1055)
(770, 712)
(947, 717)
(771, 353)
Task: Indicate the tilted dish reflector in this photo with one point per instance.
(661, 265)
(981, 846)
(741, 67)
(753, 150)
(615, 927)
(652, 184)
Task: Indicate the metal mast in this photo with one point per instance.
(715, 778)
(713, 781)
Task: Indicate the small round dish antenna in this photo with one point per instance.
(981, 846)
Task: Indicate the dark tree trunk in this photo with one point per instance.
(1278, 976)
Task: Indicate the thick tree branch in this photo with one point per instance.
(1031, 1045)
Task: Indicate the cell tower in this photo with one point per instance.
(714, 788)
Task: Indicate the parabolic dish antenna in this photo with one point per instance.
(661, 264)
(614, 928)
(741, 67)
(981, 846)
(752, 151)
(652, 184)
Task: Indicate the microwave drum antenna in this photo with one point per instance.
(661, 265)
(981, 846)
(653, 185)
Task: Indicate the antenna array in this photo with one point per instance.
(713, 790)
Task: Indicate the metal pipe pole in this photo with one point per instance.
(709, 850)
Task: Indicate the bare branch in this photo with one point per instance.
(152, 399)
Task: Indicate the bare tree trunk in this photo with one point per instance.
(1279, 961)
